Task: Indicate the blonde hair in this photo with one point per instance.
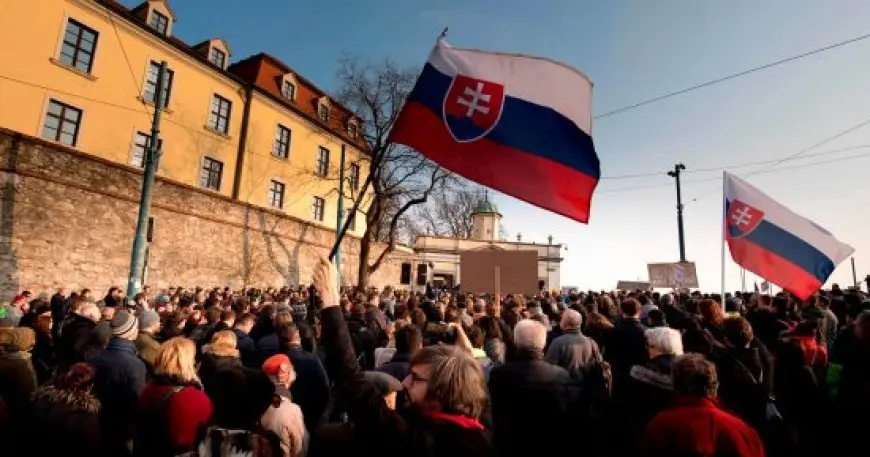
(456, 381)
(177, 358)
(223, 343)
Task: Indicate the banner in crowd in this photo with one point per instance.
(497, 271)
(633, 285)
(673, 275)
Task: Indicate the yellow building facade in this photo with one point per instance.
(82, 73)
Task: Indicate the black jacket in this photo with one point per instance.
(381, 427)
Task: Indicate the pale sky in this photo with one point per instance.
(632, 50)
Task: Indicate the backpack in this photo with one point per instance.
(596, 379)
(221, 442)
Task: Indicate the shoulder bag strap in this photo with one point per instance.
(754, 379)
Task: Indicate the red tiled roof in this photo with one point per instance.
(265, 72)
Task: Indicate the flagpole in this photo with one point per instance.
(724, 223)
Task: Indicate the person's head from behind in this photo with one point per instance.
(245, 323)
(444, 378)
(737, 332)
(630, 308)
(694, 376)
(476, 337)
(280, 370)
(663, 341)
(240, 396)
(409, 339)
(76, 381)
(862, 330)
(530, 336)
(571, 320)
(223, 344)
(656, 318)
(288, 335)
(177, 360)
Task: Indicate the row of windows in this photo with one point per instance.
(62, 124)
(79, 46)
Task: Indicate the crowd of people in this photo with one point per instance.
(320, 371)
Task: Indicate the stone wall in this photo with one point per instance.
(67, 219)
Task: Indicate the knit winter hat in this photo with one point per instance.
(124, 325)
(147, 319)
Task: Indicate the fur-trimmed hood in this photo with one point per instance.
(220, 350)
(656, 373)
(76, 400)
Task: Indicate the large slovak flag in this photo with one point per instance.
(778, 245)
(517, 124)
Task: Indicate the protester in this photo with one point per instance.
(284, 373)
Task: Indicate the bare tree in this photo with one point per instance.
(448, 212)
(401, 178)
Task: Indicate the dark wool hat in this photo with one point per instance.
(384, 383)
(124, 325)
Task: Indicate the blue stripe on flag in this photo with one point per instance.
(523, 125)
(783, 243)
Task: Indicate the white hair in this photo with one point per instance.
(530, 335)
(571, 320)
(90, 311)
(665, 339)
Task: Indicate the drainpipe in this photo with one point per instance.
(243, 140)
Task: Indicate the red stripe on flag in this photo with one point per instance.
(774, 268)
(541, 182)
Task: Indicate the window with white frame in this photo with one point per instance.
(276, 194)
(150, 88)
(288, 90)
(211, 173)
(140, 147)
(159, 22)
(62, 123)
(281, 146)
(217, 57)
(322, 162)
(318, 208)
(354, 176)
(79, 46)
(219, 117)
(323, 112)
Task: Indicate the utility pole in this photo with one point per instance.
(675, 173)
(152, 154)
(339, 222)
(854, 275)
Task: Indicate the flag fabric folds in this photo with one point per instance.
(518, 124)
(776, 244)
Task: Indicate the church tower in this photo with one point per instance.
(485, 220)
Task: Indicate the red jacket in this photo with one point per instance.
(698, 427)
(171, 424)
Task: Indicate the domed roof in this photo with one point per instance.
(485, 207)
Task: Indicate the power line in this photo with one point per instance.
(740, 165)
(796, 154)
(719, 178)
(732, 76)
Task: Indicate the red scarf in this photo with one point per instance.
(458, 419)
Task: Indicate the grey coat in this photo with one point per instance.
(573, 351)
